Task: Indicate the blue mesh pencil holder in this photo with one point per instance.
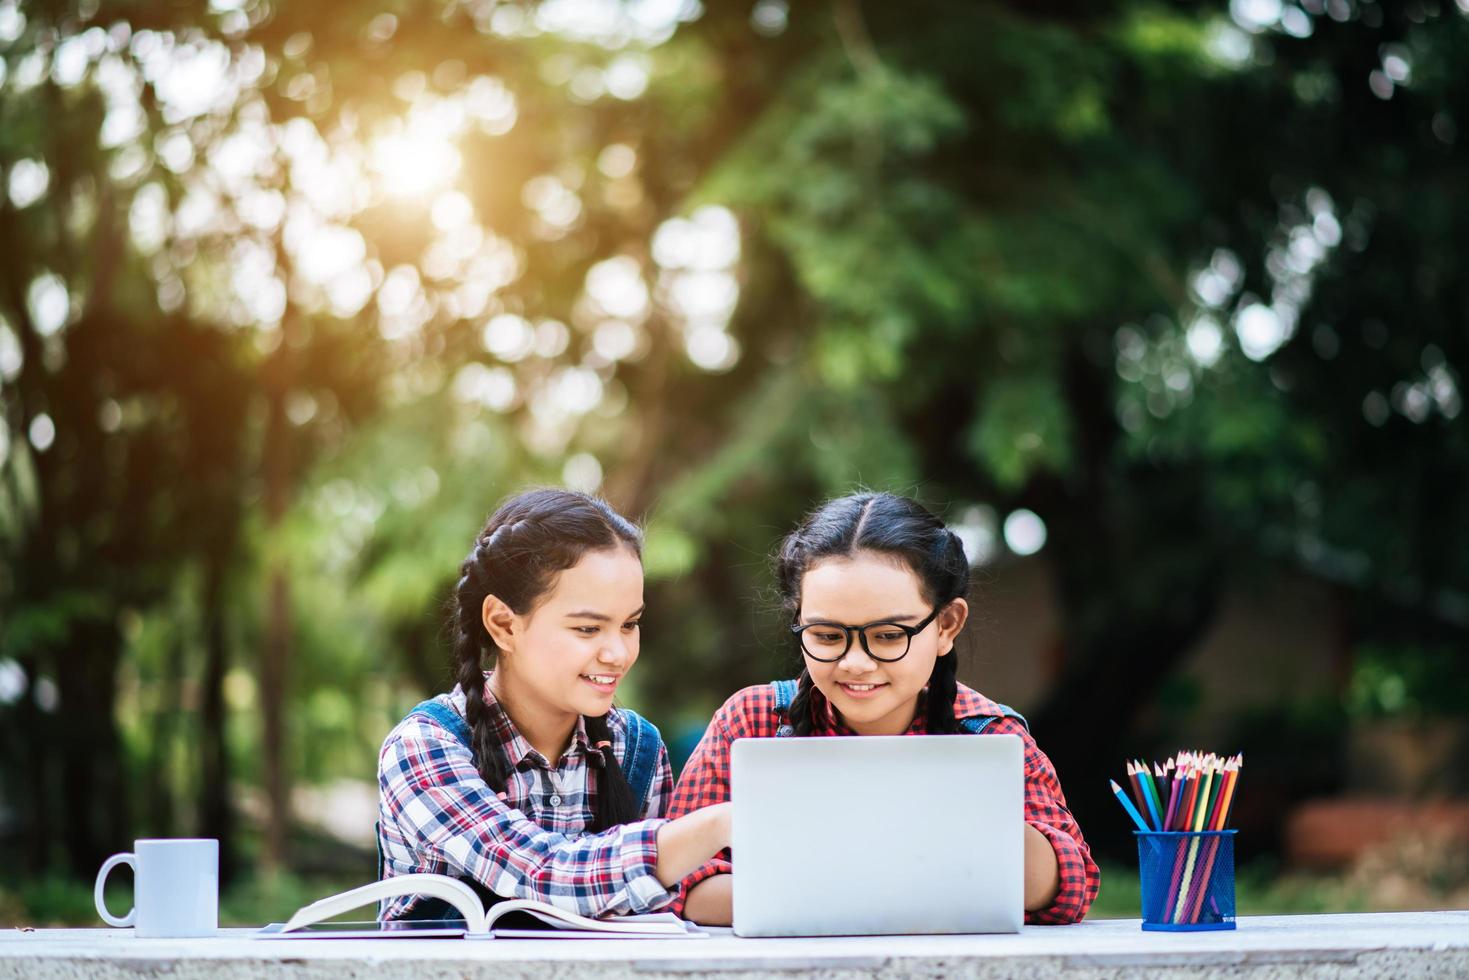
(1187, 879)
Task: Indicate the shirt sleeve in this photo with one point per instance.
(1045, 810)
(705, 782)
(662, 788)
(442, 807)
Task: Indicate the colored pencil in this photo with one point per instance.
(1193, 819)
(1150, 793)
(1172, 799)
(1157, 794)
(1135, 787)
(1226, 796)
(1187, 892)
(1188, 794)
(1160, 783)
(1239, 762)
(1193, 800)
(1214, 794)
(1193, 845)
(1200, 793)
(1196, 823)
(1127, 805)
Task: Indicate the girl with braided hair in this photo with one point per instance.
(875, 588)
(525, 781)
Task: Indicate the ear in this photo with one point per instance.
(949, 622)
(500, 623)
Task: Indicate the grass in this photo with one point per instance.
(1259, 889)
(58, 901)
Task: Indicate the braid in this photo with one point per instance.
(501, 541)
(615, 803)
(469, 648)
(943, 687)
(801, 705)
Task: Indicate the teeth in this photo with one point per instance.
(860, 687)
(600, 678)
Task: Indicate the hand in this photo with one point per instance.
(689, 841)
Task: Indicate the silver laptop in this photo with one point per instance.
(878, 835)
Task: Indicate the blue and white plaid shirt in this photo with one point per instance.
(437, 815)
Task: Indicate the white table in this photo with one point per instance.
(1398, 944)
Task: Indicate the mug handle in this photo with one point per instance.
(107, 866)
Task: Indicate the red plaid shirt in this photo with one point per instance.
(751, 714)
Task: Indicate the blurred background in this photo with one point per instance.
(1161, 304)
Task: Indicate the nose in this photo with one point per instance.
(856, 660)
(615, 651)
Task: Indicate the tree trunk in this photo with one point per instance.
(278, 377)
(215, 818)
(35, 733)
(1136, 590)
(272, 713)
(1089, 723)
(423, 662)
(94, 810)
(158, 795)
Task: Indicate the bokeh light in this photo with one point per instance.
(1025, 532)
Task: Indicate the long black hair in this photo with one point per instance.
(889, 525)
(526, 543)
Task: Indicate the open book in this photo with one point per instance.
(477, 920)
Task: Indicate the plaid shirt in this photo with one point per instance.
(751, 714)
(437, 815)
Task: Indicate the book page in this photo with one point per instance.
(654, 923)
(456, 893)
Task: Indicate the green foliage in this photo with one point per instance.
(840, 179)
(1021, 428)
(1408, 680)
(989, 253)
(33, 628)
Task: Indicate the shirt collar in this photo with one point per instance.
(518, 751)
(969, 703)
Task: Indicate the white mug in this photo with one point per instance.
(175, 888)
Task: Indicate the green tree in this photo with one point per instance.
(296, 292)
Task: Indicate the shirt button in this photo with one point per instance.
(555, 800)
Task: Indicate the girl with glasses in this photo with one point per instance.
(875, 586)
(525, 781)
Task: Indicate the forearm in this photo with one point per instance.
(689, 841)
(1042, 873)
(711, 901)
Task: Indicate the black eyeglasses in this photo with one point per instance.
(882, 640)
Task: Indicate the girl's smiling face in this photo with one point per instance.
(874, 697)
(566, 655)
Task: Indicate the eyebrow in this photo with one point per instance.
(808, 620)
(601, 617)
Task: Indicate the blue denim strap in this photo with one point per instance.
(785, 693)
(640, 760)
(452, 722)
(447, 717)
(977, 724)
